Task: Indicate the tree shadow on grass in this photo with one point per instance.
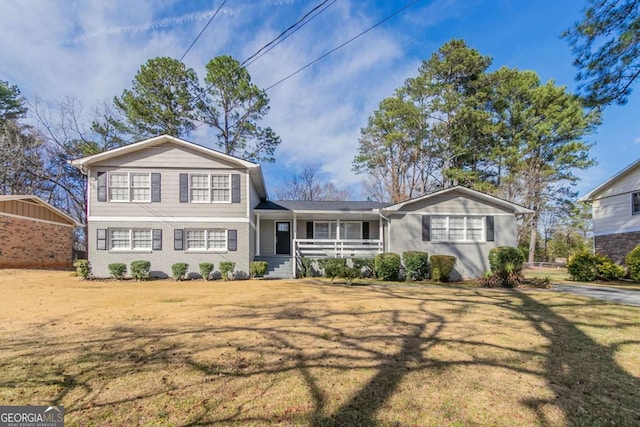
(260, 346)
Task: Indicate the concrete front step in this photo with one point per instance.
(279, 267)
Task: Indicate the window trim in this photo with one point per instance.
(129, 187)
(335, 224)
(483, 233)
(206, 240)
(210, 188)
(130, 238)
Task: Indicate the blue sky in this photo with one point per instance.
(92, 49)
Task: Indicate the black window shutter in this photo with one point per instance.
(490, 229)
(101, 239)
(309, 229)
(155, 187)
(365, 230)
(232, 236)
(157, 240)
(178, 239)
(184, 188)
(235, 188)
(102, 186)
(426, 228)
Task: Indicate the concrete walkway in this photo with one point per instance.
(621, 296)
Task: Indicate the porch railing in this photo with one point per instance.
(331, 248)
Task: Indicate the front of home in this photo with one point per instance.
(166, 200)
(615, 208)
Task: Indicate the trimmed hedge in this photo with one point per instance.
(258, 268)
(140, 270)
(387, 266)
(416, 264)
(633, 263)
(503, 258)
(179, 270)
(117, 270)
(205, 269)
(226, 269)
(442, 267)
(83, 268)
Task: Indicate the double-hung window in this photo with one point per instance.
(457, 228)
(324, 230)
(635, 203)
(129, 187)
(210, 188)
(125, 239)
(349, 230)
(206, 239)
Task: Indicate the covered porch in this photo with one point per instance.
(317, 230)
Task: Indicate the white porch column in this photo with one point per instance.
(257, 234)
(338, 242)
(381, 232)
(295, 251)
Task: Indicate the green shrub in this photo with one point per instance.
(365, 265)
(416, 265)
(539, 282)
(226, 269)
(205, 269)
(140, 270)
(331, 266)
(442, 267)
(349, 274)
(258, 268)
(117, 270)
(607, 269)
(506, 264)
(387, 266)
(179, 270)
(307, 267)
(633, 263)
(83, 268)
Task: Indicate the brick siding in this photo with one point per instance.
(617, 246)
(33, 244)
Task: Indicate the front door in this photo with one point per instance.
(283, 238)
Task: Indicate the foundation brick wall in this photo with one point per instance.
(617, 246)
(33, 244)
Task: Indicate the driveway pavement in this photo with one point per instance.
(621, 296)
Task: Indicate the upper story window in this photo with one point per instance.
(635, 203)
(129, 187)
(210, 188)
(457, 228)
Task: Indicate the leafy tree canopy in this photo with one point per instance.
(606, 45)
(12, 104)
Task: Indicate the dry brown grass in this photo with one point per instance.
(561, 275)
(309, 353)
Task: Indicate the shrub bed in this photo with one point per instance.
(117, 270)
(205, 270)
(416, 264)
(387, 266)
(258, 268)
(140, 270)
(442, 267)
(179, 270)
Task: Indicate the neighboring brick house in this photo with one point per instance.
(616, 213)
(34, 234)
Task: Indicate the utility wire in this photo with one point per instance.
(204, 28)
(406, 6)
(246, 62)
(284, 32)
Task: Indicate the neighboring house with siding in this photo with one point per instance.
(34, 234)
(615, 207)
(166, 200)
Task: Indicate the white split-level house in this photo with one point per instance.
(166, 200)
(615, 207)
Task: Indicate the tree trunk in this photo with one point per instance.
(534, 236)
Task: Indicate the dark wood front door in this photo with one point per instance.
(283, 238)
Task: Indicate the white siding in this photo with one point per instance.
(454, 203)
(613, 215)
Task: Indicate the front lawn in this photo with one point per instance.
(561, 275)
(309, 353)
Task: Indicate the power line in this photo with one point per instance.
(411, 3)
(286, 37)
(285, 31)
(202, 31)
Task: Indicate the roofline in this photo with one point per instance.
(41, 202)
(590, 195)
(518, 209)
(254, 168)
(370, 211)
